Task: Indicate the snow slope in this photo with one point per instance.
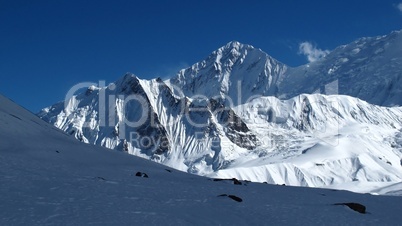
(49, 178)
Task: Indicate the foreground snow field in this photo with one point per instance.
(47, 177)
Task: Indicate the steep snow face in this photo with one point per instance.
(146, 119)
(48, 178)
(235, 71)
(369, 68)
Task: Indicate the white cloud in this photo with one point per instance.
(399, 6)
(311, 52)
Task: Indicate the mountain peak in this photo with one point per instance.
(229, 67)
(235, 46)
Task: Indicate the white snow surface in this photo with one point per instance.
(49, 178)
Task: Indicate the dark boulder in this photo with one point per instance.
(141, 174)
(234, 180)
(235, 198)
(354, 206)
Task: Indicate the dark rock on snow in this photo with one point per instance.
(354, 206)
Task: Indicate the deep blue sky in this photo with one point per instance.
(48, 46)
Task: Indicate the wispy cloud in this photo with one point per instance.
(399, 7)
(312, 52)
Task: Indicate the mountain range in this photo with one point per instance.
(242, 114)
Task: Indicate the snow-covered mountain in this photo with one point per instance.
(48, 178)
(220, 117)
(368, 68)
